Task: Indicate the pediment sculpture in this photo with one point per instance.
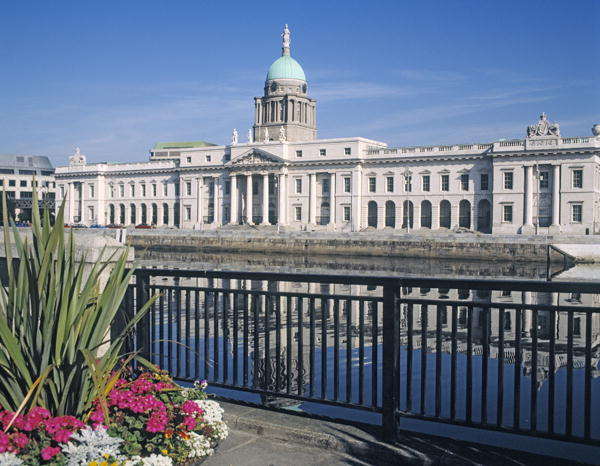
(255, 158)
(543, 128)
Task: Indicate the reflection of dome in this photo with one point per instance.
(285, 67)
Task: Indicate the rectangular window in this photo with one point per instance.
(298, 153)
(322, 152)
(347, 151)
(92, 191)
(325, 186)
(389, 184)
(346, 213)
(132, 190)
(11, 182)
(188, 213)
(62, 191)
(154, 189)
(426, 183)
(544, 180)
(91, 216)
(176, 189)
(228, 188)
(111, 191)
(576, 213)
(23, 183)
(578, 178)
(484, 182)
(143, 190)
(298, 213)
(508, 180)
(298, 185)
(209, 158)
(255, 187)
(407, 183)
(188, 159)
(464, 182)
(121, 190)
(445, 182)
(165, 189)
(346, 184)
(372, 184)
(188, 188)
(507, 213)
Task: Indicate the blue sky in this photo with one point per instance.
(115, 77)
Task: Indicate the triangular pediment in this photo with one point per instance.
(256, 157)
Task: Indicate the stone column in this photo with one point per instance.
(249, 194)
(528, 208)
(312, 199)
(556, 196)
(474, 215)
(199, 209)
(82, 213)
(217, 203)
(435, 216)
(159, 214)
(71, 196)
(265, 199)
(282, 210)
(356, 198)
(234, 201)
(332, 200)
(416, 215)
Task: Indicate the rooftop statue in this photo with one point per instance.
(250, 139)
(265, 134)
(77, 158)
(281, 134)
(543, 128)
(286, 41)
(234, 137)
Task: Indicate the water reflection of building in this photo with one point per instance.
(360, 320)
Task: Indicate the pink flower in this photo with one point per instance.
(19, 439)
(191, 407)
(35, 418)
(157, 422)
(189, 422)
(4, 441)
(50, 452)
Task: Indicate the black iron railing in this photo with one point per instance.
(513, 356)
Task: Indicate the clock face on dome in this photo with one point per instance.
(273, 87)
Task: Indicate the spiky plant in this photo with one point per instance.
(55, 317)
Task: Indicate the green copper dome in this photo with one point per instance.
(285, 67)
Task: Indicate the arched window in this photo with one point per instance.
(122, 214)
(464, 214)
(445, 214)
(133, 216)
(425, 214)
(144, 214)
(154, 214)
(372, 214)
(484, 212)
(325, 214)
(165, 214)
(390, 214)
(407, 214)
(111, 214)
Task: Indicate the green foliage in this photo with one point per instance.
(54, 319)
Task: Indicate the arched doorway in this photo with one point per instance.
(407, 214)
(484, 212)
(425, 214)
(144, 214)
(111, 214)
(133, 215)
(121, 214)
(390, 214)
(325, 214)
(464, 214)
(154, 214)
(445, 214)
(176, 214)
(165, 214)
(372, 214)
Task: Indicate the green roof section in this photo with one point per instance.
(181, 145)
(285, 67)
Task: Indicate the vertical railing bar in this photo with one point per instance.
(391, 360)
(534, 364)
(153, 330)
(311, 362)
(438, 361)
(161, 329)
(235, 346)
(569, 403)
(336, 349)
(324, 311)
(453, 363)
(500, 376)
(277, 307)
(551, 369)
(469, 390)
(375, 355)
(206, 336)
(288, 348)
(225, 299)
(300, 307)
(197, 334)
(188, 334)
(361, 352)
(216, 316)
(246, 338)
(587, 407)
(170, 329)
(348, 351)
(423, 382)
(409, 356)
(485, 315)
(517, 372)
(256, 298)
(178, 330)
(267, 372)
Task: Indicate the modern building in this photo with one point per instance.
(283, 175)
(18, 176)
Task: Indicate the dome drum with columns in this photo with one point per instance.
(285, 102)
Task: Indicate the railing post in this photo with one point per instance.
(391, 359)
(142, 294)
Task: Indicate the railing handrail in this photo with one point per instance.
(458, 283)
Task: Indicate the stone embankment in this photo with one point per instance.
(465, 246)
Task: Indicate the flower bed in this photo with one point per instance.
(143, 420)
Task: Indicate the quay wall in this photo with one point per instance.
(463, 247)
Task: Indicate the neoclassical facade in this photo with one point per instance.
(283, 175)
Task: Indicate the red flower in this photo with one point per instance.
(50, 452)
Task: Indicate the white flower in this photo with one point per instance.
(212, 410)
(10, 459)
(220, 431)
(152, 460)
(91, 445)
(199, 445)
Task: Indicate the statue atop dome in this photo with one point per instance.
(285, 49)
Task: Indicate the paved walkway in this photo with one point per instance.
(265, 438)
